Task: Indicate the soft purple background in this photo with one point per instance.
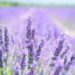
(43, 16)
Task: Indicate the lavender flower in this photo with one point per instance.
(6, 45)
(6, 39)
(16, 73)
(31, 71)
(33, 34)
(57, 70)
(65, 60)
(72, 57)
(58, 50)
(39, 50)
(65, 51)
(31, 53)
(28, 33)
(1, 61)
(16, 69)
(1, 40)
(1, 47)
(23, 64)
(29, 37)
(69, 63)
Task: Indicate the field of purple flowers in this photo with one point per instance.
(25, 50)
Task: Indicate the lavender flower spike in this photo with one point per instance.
(57, 71)
(60, 46)
(23, 61)
(1, 47)
(28, 33)
(6, 39)
(1, 61)
(31, 71)
(70, 62)
(16, 69)
(29, 38)
(39, 51)
(58, 49)
(1, 38)
(31, 54)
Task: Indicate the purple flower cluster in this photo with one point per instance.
(1, 61)
(1, 48)
(29, 42)
(38, 52)
(6, 39)
(34, 56)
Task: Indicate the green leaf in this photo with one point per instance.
(9, 71)
(1, 70)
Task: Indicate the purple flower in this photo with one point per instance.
(30, 53)
(70, 62)
(1, 47)
(57, 52)
(39, 50)
(28, 33)
(16, 69)
(23, 63)
(33, 34)
(57, 70)
(6, 39)
(65, 51)
(31, 71)
(16, 73)
(29, 37)
(72, 57)
(6, 45)
(60, 46)
(1, 40)
(1, 61)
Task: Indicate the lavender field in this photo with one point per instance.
(33, 41)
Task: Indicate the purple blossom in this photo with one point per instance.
(38, 52)
(70, 62)
(23, 61)
(64, 52)
(33, 34)
(29, 37)
(1, 47)
(6, 39)
(57, 52)
(30, 42)
(1, 61)
(31, 53)
(6, 45)
(16, 69)
(1, 38)
(60, 46)
(28, 29)
(31, 71)
(57, 70)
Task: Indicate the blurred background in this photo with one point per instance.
(62, 13)
(38, 2)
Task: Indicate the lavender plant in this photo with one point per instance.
(29, 37)
(57, 52)
(1, 51)
(6, 45)
(38, 52)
